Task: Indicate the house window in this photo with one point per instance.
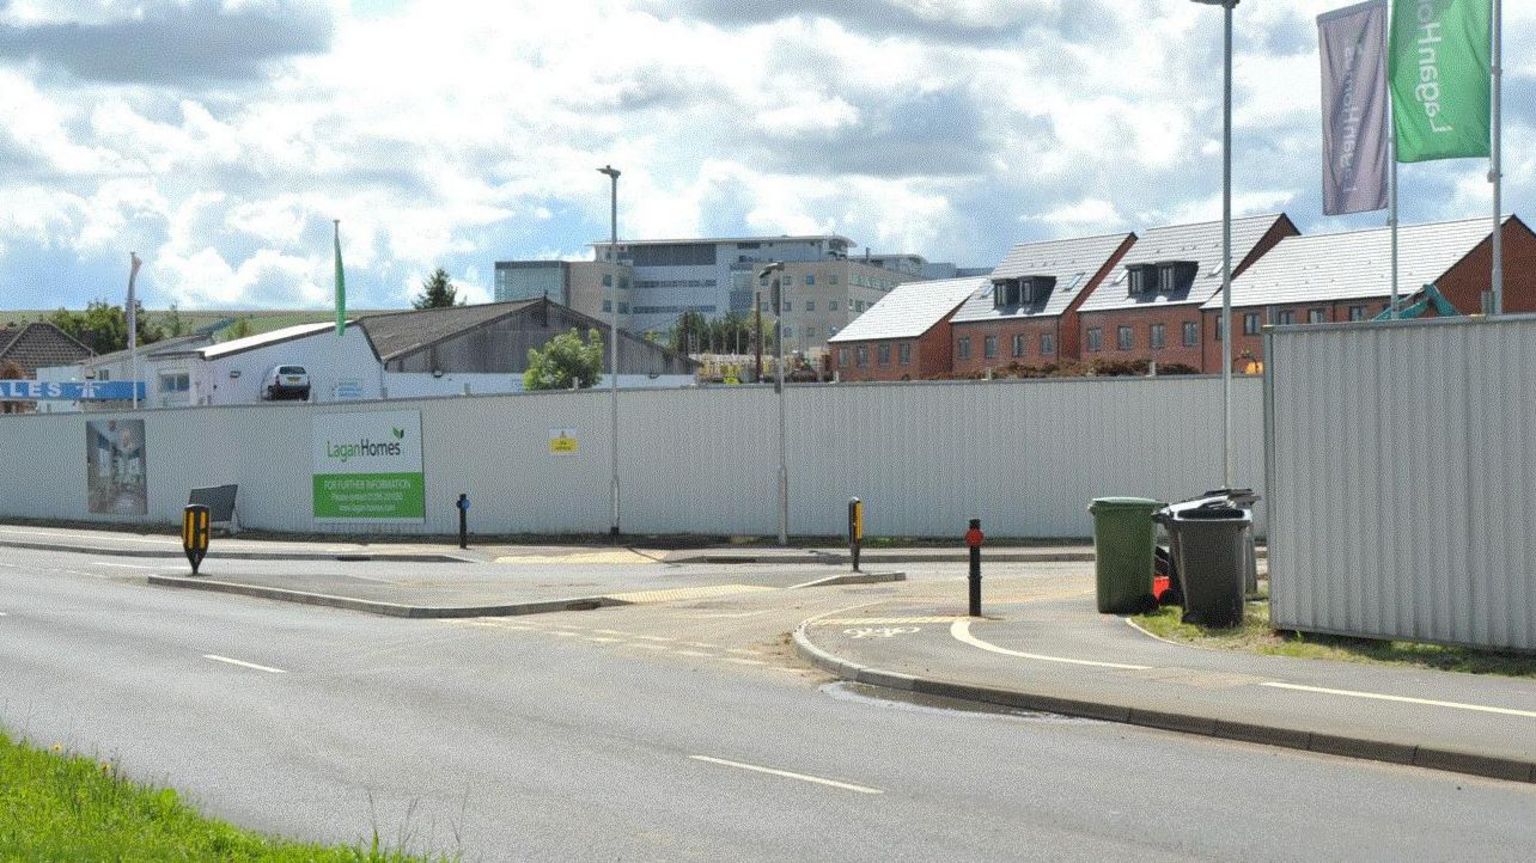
(963, 348)
(607, 305)
(842, 356)
(1287, 317)
(810, 334)
(1139, 279)
(831, 305)
(788, 306)
(1316, 316)
(858, 306)
(624, 283)
(1217, 320)
(1357, 313)
(1251, 324)
(989, 347)
(623, 308)
(1047, 344)
(832, 279)
(1095, 339)
(1018, 344)
(175, 383)
(608, 280)
(885, 354)
(904, 352)
(810, 305)
(1157, 336)
(789, 332)
(863, 356)
(810, 280)
(103, 374)
(1125, 339)
(1191, 334)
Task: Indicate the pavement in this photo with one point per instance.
(1056, 653)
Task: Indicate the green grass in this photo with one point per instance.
(59, 806)
(1255, 635)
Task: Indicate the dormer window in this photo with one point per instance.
(1175, 276)
(1022, 291)
(1006, 292)
(1141, 279)
(1037, 288)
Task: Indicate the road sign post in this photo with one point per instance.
(195, 532)
(855, 530)
(973, 538)
(463, 505)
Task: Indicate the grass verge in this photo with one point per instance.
(58, 806)
(1257, 636)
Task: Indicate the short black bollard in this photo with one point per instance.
(973, 538)
(463, 506)
(855, 530)
(195, 533)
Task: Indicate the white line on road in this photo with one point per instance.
(244, 664)
(1376, 696)
(961, 630)
(121, 565)
(846, 786)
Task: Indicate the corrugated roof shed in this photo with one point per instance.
(910, 310)
(399, 333)
(1355, 264)
(1200, 243)
(1072, 263)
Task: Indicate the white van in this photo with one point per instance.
(284, 383)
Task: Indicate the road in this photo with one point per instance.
(675, 731)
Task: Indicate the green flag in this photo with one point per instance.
(1441, 71)
(341, 287)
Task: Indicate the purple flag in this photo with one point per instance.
(1353, 45)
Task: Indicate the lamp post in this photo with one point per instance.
(776, 269)
(613, 346)
(1226, 241)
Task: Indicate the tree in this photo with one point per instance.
(103, 327)
(565, 363)
(437, 292)
(240, 328)
(174, 322)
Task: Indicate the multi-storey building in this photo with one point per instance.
(585, 286)
(821, 298)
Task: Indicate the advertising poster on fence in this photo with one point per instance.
(114, 467)
(367, 467)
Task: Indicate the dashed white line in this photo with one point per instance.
(268, 669)
(121, 565)
(961, 630)
(1377, 696)
(846, 786)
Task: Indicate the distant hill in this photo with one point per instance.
(261, 321)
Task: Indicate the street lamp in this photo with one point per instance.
(1226, 243)
(776, 269)
(613, 345)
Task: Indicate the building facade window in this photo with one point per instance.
(789, 333)
(1157, 336)
(832, 279)
(831, 305)
(885, 354)
(858, 306)
(863, 356)
(963, 348)
(176, 383)
(1047, 344)
(1217, 321)
(1095, 339)
(1286, 317)
(1191, 334)
(623, 308)
(1251, 324)
(842, 356)
(810, 280)
(810, 333)
(989, 347)
(1125, 338)
(1317, 316)
(904, 352)
(1018, 344)
(1357, 313)
(810, 305)
(788, 306)
(607, 305)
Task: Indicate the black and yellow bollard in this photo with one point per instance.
(195, 534)
(855, 530)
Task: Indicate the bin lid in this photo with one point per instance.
(1214, 513)
(1100, 503)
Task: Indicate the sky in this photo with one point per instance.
(219, 139)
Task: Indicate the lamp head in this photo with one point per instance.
(610, 170)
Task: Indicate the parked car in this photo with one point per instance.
(285, 382)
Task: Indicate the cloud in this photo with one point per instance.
(169, 43)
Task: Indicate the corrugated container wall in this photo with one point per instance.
(1400, 462)
(1024, 456)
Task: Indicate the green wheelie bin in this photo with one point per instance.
(1124, 548)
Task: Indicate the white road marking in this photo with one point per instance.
(610, 631)
(744, 661)
(265, 668)
(600, 640)
(703, 644)
(961, 630)
(655, 638)
(121, 565)
(649, 646)
(696, 653)
(846, 786)
(1376, 696)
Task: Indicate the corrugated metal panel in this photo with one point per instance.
(1024, 456)
(1398, 463)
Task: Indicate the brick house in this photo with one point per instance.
(1150, 309)
(1331, 278)
(1028, 314)
(905, 336)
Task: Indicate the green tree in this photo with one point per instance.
(103, 327)
(565, 363)
(173, 322)
(240, 328)
(437, 292)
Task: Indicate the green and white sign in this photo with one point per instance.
(367, 467)
(1441, 70)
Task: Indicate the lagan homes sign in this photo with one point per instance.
(69, 391)
(367, 467)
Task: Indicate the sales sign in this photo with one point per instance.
(70, 391)
(367, 467)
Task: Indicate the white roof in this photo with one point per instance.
(1073, 263)
(1200, 243)
(1356, 264)
(910, 310)
(236, 346)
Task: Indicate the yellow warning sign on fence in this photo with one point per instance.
(563, 442)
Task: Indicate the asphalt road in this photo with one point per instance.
(647, 732)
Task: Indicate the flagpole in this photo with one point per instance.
(1496, 173)
(1392, 216)
(132, 316)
